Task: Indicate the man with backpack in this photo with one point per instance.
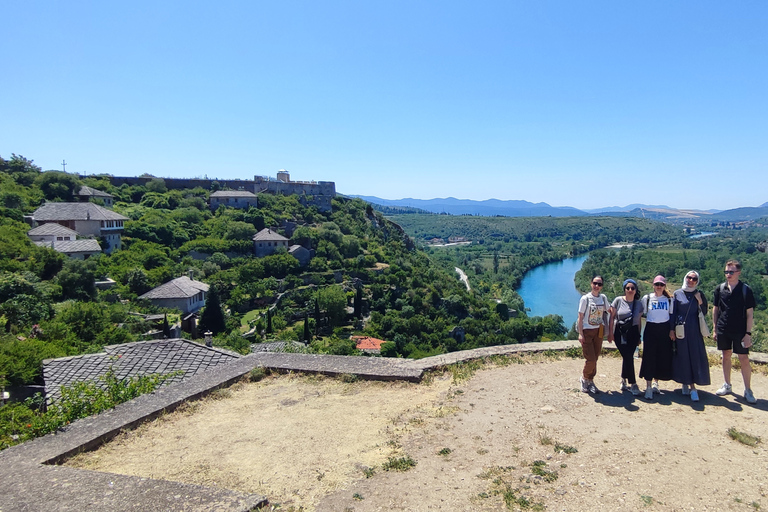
(733, 318)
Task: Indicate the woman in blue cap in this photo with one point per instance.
(626, 314)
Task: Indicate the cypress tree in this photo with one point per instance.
(212, 318)
(307, 336)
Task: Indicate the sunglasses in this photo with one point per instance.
(595, 283)
(729, 272)
(630, 288)
(659, 284)
(693, 278)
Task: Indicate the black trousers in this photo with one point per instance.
(627, 351)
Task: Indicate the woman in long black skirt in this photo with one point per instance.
(658, 337)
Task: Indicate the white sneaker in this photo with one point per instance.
(623, 386)
(694, 395)
(649, 394)
(635, 390)
(724, 389)
(749, 396)
(686, 389)
(592, 388)
(655, 387)
(584, 385)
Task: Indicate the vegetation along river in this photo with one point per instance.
(549, 289)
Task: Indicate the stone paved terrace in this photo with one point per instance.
(31, 480)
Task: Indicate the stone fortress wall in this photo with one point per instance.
(321, 192)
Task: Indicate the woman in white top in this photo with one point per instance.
(658, 337)
(593, 314)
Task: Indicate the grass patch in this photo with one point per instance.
(743, 437)
(539, 468)
(445, 451)
(399, 464)
(647, 500)
(258, 374)
(369, 472)
(564, 448)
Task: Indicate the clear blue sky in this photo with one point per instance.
(579, 103)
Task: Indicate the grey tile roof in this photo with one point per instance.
(233, 193)
(73, 246)
(278, 346)
(179, 288)
(267, 235)
(92, 192)
(52, 229)
(129, 360)
(74, 211)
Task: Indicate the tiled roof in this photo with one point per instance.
(93, 192)
(267, 235)
(72, 246)
(134, 359)
(233, 193)
(278, 346)
(367, 343)
(180, 288)
(52, 229)
(74, 211)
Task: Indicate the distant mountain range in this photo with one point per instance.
(519, 208)
(488, 208)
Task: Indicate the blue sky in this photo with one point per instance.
(578, 103)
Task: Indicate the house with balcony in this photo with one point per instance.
(87, 219)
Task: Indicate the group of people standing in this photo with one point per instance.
(673, 338)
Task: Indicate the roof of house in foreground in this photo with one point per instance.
(129, 360)
(52, 229)
(85, 245)
(180, 288)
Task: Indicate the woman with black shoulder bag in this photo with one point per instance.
(626, 314)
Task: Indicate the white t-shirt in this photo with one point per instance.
(593, 308)
(657, 309)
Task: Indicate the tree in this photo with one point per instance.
(269, 321)
(212, 317)
(317, 317)
(58, 186)
(359, 302)
(166, 326)
(307, 336)
(334, 301)
(78, 280)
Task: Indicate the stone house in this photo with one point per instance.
(301, 253)
(87, 219)
(181, 293)
(267, 242)
(64, 240)
(88, 194)
(234, 198)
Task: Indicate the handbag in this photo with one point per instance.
(703, 327)
(680, 330)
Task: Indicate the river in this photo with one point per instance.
(549, 290)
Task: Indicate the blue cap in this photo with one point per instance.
(626, 282)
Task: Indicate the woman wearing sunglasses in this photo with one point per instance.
(690, 366)
(593, 314)
(657, 337)
(626, 312)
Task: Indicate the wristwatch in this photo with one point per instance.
(749, 332)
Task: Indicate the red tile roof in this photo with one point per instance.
(367, 343)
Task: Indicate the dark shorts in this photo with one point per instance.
(726, 342)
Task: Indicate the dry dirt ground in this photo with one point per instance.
(497, 440)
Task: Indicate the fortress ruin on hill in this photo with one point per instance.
(313, 193)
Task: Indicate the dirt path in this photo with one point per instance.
(309, 442)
